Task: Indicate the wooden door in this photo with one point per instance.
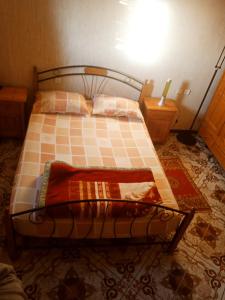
(215, 116)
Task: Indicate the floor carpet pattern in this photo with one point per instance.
(195, 271)
(186, 192)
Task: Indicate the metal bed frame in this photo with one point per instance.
(153, 211)
(94, 72)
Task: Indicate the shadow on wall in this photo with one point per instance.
(31, 37)
(151, 87)
(184, 111)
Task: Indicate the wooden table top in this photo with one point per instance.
(14, 94)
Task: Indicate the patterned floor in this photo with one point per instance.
(195, 271)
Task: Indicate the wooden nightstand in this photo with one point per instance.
(159, 119)
(12, 111)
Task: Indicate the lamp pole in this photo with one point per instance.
(186, 137)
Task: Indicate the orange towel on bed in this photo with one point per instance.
(62, 182)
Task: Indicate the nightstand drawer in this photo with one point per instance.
(159, 119)
(163, 115)
(11, 126)
(10, 108)
(12, 111)
(158, 130)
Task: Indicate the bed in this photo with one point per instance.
(91, 141)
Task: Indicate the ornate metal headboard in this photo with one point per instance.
(98, 78)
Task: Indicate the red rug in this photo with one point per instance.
(185, 190)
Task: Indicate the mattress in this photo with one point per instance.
(85, 141)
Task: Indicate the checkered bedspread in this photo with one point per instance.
(84, 141)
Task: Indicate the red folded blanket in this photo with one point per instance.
(62, 182)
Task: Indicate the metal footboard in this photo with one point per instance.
(121, 219)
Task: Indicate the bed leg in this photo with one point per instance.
(180, 231)
(10, 235)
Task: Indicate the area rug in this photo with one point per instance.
(194, 271)
(186, 192)
(9, 155)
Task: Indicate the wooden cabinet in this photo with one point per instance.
(159, 119)
(212, 128)
(12, 111)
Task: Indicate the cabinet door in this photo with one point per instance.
(215, 116)
(159, 124)
(10, 126)
(218, 148)
(11, 119)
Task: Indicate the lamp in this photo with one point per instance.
(186, 137)
(165, 92)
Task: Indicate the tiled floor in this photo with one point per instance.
(195, 271)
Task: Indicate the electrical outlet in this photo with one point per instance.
(184, 92)
(187, 92)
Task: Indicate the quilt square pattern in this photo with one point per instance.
(84, 141)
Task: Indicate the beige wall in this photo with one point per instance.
(50, 33)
